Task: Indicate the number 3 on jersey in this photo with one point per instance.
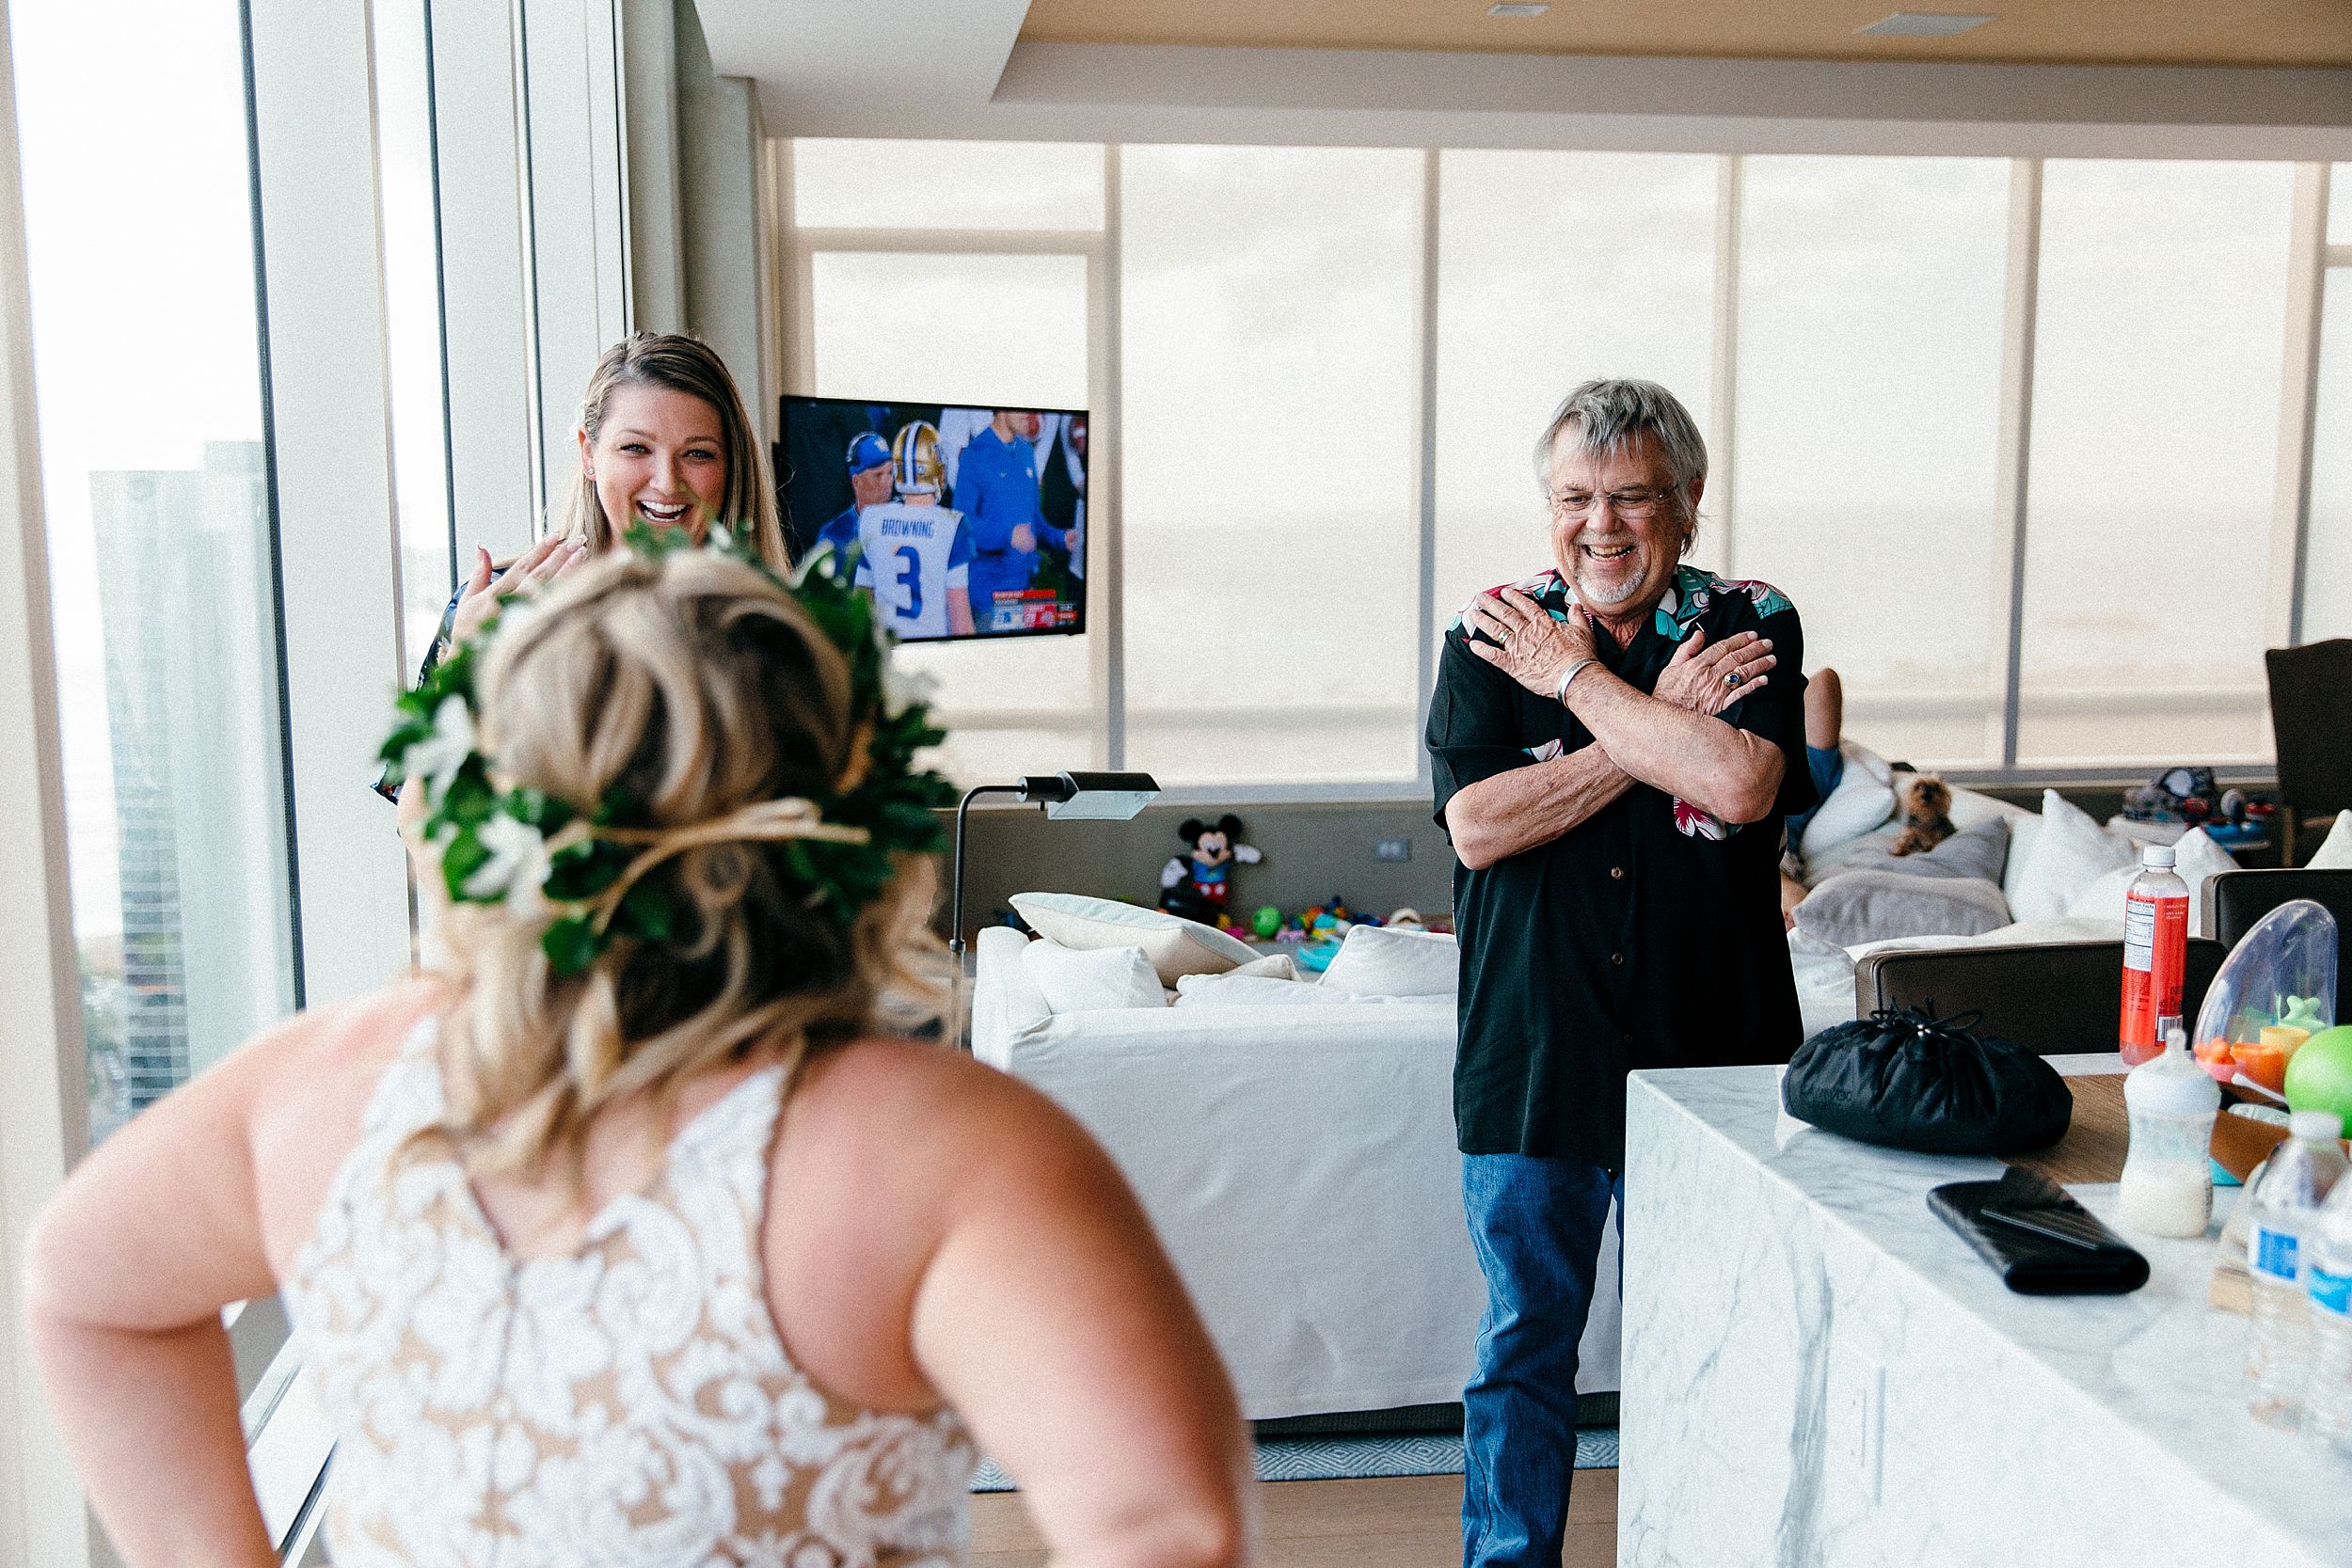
(911, 582)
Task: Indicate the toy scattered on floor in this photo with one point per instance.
(1267, 921)
(1926, 816)
(1405, 920)
(1197, 884)
(2189, 795)
(1325, 925)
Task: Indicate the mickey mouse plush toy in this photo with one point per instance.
(1195, 886)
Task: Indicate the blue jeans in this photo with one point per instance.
(1538, 1227)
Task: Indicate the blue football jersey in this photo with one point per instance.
(914, 556)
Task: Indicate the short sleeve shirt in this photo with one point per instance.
(1648, 936)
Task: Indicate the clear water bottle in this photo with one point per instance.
(2295, 1182)
(2327, 1412)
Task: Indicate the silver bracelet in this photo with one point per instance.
(1560, 693)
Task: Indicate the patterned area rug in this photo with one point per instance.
(1356, 1458)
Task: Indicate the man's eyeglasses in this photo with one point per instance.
(1634, 506)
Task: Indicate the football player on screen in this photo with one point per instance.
(917, 554)
(870, 486)
(996, 488)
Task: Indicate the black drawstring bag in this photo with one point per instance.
(1906, 1078)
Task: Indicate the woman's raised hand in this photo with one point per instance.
(537, 566)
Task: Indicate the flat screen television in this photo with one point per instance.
(965, 522)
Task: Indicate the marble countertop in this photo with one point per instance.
(2162, 1363)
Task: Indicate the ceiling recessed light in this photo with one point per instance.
(1517, 10)
(1923, 24)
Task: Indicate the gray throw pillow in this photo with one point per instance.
(1980, 852)
(1856, 906)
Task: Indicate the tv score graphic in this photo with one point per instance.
(966, 521)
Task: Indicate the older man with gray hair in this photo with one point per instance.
(1613, 743)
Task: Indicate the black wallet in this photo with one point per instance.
(2038, 1239)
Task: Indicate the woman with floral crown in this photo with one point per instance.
(621, 1235)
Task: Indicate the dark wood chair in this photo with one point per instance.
(2053, 998)
(2311, 719)
(2235, 900)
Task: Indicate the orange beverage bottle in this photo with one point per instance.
(2155, 952)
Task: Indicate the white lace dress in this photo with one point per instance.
(625, 1406)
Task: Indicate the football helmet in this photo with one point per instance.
(915, 465)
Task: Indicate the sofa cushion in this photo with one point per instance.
(1864, 800)
(2335, 851)
(1873, 906)
(1981, 852)
(1175, 946)
(1970, 808)
(1235, 989)
(2069, 854)
(2195, 857)
(1090, 980)
(1374, 960)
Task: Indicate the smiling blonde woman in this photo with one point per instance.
(664, 442)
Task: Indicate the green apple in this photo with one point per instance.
(2319, 1075)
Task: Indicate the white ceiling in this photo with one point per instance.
(956, 69)
(862, 58)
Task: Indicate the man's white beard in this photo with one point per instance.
(1592, 599)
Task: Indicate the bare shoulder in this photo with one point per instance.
(888, 1148)
(927, 1106)
(304, 1087)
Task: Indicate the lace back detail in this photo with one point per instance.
(627, 1402)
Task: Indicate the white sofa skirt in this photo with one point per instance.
(1299, 1166)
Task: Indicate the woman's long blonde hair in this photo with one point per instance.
(687, 365)
(692, 686)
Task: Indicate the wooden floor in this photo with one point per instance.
(1409, 1522)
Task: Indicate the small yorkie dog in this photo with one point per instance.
(1927, 803)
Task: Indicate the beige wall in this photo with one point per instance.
(1311, 851)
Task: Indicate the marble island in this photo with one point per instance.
(1819, 1371)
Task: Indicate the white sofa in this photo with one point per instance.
(2070, 888)
(1299, 1166)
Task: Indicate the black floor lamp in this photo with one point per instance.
(1068, 797)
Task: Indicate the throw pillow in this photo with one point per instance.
(1235, 989)
(1374, 960)
(1093, 980)
(1274, 966)
(2069, 854)
(1176, 946)
(1874, 906)
(1862, 800)
(2195, 857)
(2335, 851)
(1979, 853)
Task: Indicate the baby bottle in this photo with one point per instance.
(2168, 1171)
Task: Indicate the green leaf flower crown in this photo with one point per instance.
(581, 865)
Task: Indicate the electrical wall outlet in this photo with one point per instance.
(1392, 849)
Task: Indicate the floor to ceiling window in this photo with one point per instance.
(2007, 431)
(1866, 433)
(1554, 268)
(2160, 328)
(147, 372)
(1271, 447)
